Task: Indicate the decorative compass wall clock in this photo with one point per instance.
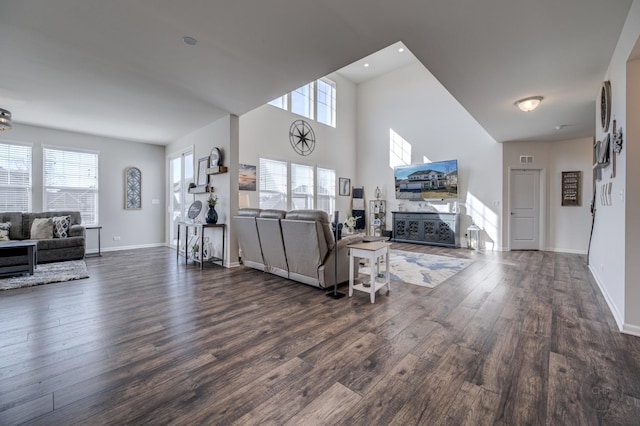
(302, 138)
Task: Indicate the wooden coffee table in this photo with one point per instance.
(26, 248)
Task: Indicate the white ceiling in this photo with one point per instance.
(119, 68)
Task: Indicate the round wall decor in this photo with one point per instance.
(605, 105)
(302, 137)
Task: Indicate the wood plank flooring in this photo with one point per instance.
(517, 338)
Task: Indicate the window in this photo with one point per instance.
(326, 104)
(302, 100)
(301, 187)
(71, 182)
(15, 178)
(273, 184)
(280, 102)
(326, 190)
(316, 101)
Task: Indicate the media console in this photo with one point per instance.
(438, 229)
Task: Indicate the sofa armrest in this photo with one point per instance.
(326, 272)
(76, 231)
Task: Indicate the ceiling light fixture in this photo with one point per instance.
(366, 65)
(189, 40)
(5, 120)
(401, 50)
(529, 104)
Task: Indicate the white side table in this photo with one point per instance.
(373, 251)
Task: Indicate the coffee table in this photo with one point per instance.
(373, 251)
(26, 248)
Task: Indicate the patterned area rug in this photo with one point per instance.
(426, 270)
(48, 273)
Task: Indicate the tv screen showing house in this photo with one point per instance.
(428, 181)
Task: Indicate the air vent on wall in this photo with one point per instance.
(526, 159)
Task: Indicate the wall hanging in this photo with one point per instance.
(133, 188)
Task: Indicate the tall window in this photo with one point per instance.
(15, 178)
(326, 102)
(302, 100)
(301, 186)
(273, 184)
(71, 182)
(326, 190)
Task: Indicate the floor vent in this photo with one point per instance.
(526, 159)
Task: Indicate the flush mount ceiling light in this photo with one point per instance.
(189, 41)
(529, 104)
(5, 119)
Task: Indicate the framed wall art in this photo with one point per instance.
(132, 188)
(247, 178)
(344, 186)
(203, 177)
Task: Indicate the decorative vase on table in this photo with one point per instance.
(212, 215)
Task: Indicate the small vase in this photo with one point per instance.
(212, 215)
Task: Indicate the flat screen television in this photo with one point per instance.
(427, 181)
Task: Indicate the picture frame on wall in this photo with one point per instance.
(203, 178)
(344, 186)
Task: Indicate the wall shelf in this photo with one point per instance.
(202, 189)
(216, 170)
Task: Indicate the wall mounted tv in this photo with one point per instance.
(427, 181)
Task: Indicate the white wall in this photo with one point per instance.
(566, 229)
(136, 228)
(615, 248)
(223, 134)
(264, 132)
(412, 103)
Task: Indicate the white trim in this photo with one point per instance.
(631, 329)
(140, 246)
(71, 148)
(612, 307)
(561, 250)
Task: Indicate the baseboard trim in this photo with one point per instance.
(631, 329)
(569, 251)
(140, 246)
(612, 307)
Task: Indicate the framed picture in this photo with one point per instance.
(247, 179)
(344, 185)
(203, 178)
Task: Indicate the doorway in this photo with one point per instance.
(180, 175)
(524, 209)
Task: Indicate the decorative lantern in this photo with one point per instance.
(473, 237)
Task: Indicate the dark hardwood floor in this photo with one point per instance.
(517, 338)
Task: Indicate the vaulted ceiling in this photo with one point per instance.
(120, 68)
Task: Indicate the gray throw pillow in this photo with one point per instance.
(61, 226)
(42, 229)
(4, 231)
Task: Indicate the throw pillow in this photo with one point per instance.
(42, 229)
(4, 231)
(61, 226)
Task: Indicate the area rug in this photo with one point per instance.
(48, 273)
(426, 270)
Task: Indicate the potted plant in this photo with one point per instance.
(212, 215)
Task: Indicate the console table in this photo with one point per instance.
(199, 230)
(438, 229)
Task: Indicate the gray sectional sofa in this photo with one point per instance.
(49, 250)
(298, 245)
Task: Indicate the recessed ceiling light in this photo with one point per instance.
(529, 104)
(560, 126)
(366, 65)
(401, 50)
(189, 40)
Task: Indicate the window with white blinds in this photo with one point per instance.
(273, 184)
(15, 178)
(301, 186)
(71, 182)
(326, 190)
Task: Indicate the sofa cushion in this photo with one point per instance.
(61, 226)
(5, 227)
(41, 228)
(319, 216)
(15, 233)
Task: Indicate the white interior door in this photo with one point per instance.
(524, 200)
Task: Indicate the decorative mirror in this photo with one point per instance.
(133, 188)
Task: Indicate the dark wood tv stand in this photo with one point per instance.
(438, 229)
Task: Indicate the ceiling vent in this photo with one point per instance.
(526, 159)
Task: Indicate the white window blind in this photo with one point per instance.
(71, 182)
(327, 190)
(301, 186)
(15, 178)
(273, 184)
